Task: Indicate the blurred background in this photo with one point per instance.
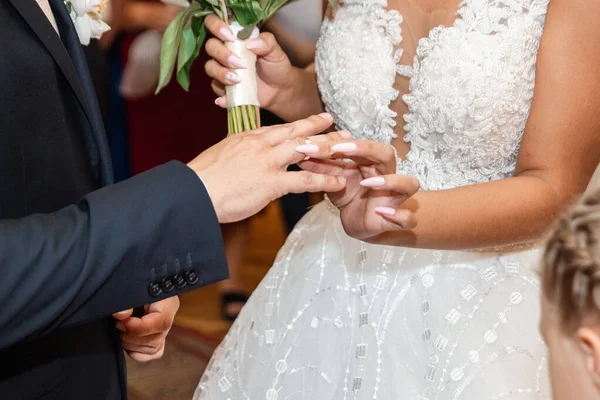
(145, 130)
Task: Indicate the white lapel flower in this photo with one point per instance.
(87, 18)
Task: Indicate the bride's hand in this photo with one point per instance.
(371, 202)
(273, 67)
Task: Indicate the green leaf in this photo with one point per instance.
(246, 32)
(171, 43)
(332, 3)
(192, 41)
(187, 50)
(247, 13)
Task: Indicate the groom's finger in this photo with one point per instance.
(328, 167)
(286, 153)
(304, 181)
(142, 343)
(364, 152)
(149, 324)
(300, 129)
(121, 315)
(146, 356)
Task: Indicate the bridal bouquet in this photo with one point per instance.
(183, 40)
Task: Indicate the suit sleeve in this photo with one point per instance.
(153, 236)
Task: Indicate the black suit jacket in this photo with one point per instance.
(73, 247)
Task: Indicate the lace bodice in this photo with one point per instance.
(471, 85)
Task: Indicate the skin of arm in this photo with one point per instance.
(300, 51)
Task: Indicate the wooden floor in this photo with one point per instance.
(198, 326)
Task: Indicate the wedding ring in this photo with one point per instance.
(395, 151)
(302, 141)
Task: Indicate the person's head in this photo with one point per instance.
(571, 302)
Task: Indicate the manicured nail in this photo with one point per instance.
(254, 44)
(227, 35)
(236, 62)
(342, 180)
(326, 116)
(345, 134)
(373, 182)
(307, 149)
(385, 210)
(232, 77)
(344, 147)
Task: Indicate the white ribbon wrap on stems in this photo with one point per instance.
(245, 92)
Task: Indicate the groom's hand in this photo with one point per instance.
(144, 338)
(245, 172)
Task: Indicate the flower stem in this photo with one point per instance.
(243, 118)
(224, 11)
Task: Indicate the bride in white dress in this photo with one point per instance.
(419, 314)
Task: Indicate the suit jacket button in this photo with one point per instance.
(166, 284)
(179, 281)
(191, 276)
(154, 289)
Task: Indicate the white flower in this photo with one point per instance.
(87, 18)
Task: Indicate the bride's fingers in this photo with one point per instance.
(221, 74)
(364, 152)
(396, 219)
(221, 101)
(333, 136)
(223, 55)
(288, 153)
(328, 167)
(403, 185)
(218, 88)
(218, 28)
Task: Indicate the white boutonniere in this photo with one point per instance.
(87, 16)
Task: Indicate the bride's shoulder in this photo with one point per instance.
(575, 19)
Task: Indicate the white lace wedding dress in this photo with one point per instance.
(339, 319)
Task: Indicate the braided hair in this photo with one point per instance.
(571, 263)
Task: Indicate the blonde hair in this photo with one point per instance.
(571, 264)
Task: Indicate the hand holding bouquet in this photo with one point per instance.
(183, 40)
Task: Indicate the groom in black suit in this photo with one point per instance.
(73, 247)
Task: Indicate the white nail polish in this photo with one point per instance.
(236, 62)
(385, 210)
(376, 181)
(227, 34)
(307, 149)
(344, 147)
(254, 44)
(326, 116)
(232, 77)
